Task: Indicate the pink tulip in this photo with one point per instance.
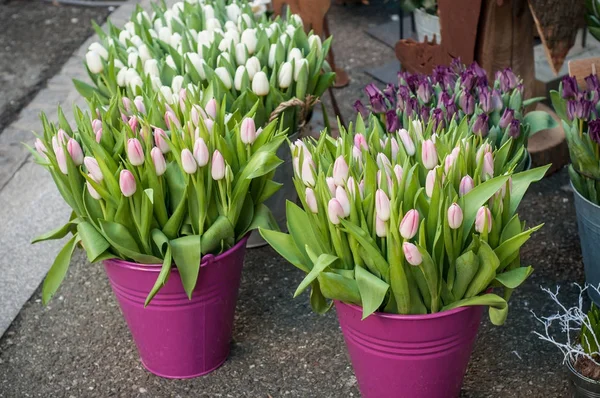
(311, 200)
(211, 108)
(395, 149)
(139, 104)
(308, 174)
(455, 216)
(456, 152)
(135, 153)
(201, 152)
(127, 183)
(488, 165)
(248, 131)
(182, 98)
(61, 160)
(407, 142)
(93, 193)
(63, 137)
(335, 211)
(340, 171)
(383, 162)
(93, 168)
(380, 175)
(361, 189)
(171, 120)
(409, 224)
(382, 205)
(380, 227)
(342, 197)
(330, 185)
(429, 154)
(159, 161)
(40, 147)
(466, 185)
(360, 142)
(99, 136)
(197, 113)
(218, 166)
(356, 154)
(448, 162)
(160, 140)
(133, 123)
(399, 173)
(412, 254)
(127, 104)
(96, 125)
(430, 182)
(188, 162)
(75, 151)
(350, 184)
(209, 125)
(484, 215)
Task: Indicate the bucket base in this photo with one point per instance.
(192, 376)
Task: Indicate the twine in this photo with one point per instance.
(305, 107)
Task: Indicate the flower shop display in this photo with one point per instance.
(578, 109)
(407, 233)
(579, 341)
(165, 196)
(241, 58)
(495, 110)
(427, 22)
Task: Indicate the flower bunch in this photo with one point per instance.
(243, 59)
(411, 224)
(579, 109)
(453, 92)
(158, 183)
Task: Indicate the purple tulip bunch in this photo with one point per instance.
(148, 181)
(406, 224)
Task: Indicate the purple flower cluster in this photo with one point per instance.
(581, 104)
(449, 93)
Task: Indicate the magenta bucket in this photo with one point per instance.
(178, 338)
(416, 356)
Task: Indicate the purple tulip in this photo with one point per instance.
(592, 83)
(508, 80)
(480, 127)
(444, 76)
(424, 90)
(468, 80)
(391, 121)
(456, 65)
(402, 96)
(485, 99)
(450, 105)
(515, 128)
(586, 109)
(425, 113)
(480, 73)
(438, 119)
(376, 98)
(412, 107)
(360, 108)
(569, 87)
(467, 103)
(390, 94)
(571, 109)
(412, 81)
(497, 103)
(594, 130)
(506, 118)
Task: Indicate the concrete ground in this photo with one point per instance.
(79, 345)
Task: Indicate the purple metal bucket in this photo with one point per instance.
(178, 338)
(417, 356)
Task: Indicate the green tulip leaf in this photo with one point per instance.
(121, 239)
(515, 277)
(372, 290)
(93, 242)
(58, 270)
(318, 302)
(477, 197)
(286, 247)
(538, 121)
(186, 253)
(338, 287)
(323, 261)
(163, 276)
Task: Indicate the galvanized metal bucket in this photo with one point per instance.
(583, 387)
(276, 203)
(427, 25)
(588, 221)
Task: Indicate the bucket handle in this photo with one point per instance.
(207, 259)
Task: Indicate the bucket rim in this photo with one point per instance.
(579, 376)
(204, 262)
(586, 200)
(400, 317)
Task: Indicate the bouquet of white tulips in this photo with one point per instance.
(151, 189)
(411, 223)
(242, 58)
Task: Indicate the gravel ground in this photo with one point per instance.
(79, 345)
(37, 38)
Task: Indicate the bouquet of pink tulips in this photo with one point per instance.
(153, 183)
(412, 223)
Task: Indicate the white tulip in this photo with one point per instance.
(253, 67)
(124, 36)
(171, 62)
(94, 62)
(232, 37)
(130, 75)
(158, 24)
(209, 12)
(272, 54)
(177, 84)
(177, 7)
(297, 20)
(167, 93)
(99, 49)
(132, 59)
(151, 68)
(230, 25)
(121, 77)
(233, 12)
(250, 40)
(284, 39)
(260, 84)
(285, 75)
(164, 34)
(153, 33)
(295, 54)
(212, 24)
(198, 64)
(246, 20)
(135, 82)
(298, 67)
(290, 30)
(141, 16)
(315, 40)
(130, 27)
(269, 31)
(241, 53)
(175, 40)
(156, 83)
(118, 64)
(224, 56)
(204, 40)
(136, 40)
(144, 53)
(224, 76)
(239, 76)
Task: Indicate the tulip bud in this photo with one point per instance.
(40, 147)
(93, 193)
(99, 49)
(63, 137)
(218, 166)
(382, 205)
(188, 161)
(159, 161)
(455, 216)
(250, 40)
(93, 168)
(448, 162)
(315, 41)
(488, 166)
(409, 145)
(98, 136)
(272, 53)
(177, 84)
(298, 64)
(96, 125)
(253, 67)
(61, 160)
(380, 227)
(331, 185)
(233, 12)
(127, 183)
(171, 120)
(430, 182)
(209, 125)
(429, 154)
(201, 152)
(75, 151)
(399, 173)
(340, 171)
(260, 84)
(335, 211)
(285, 75)
(466, 185)
(395, 149)
(133, 123)
(160, 140)
(356, 154)
(409, 224)
(360, 142)
(211, 108)
(135, 153)
(484, 216)
(223, 75)
(311, 200)
(308, 177)
(248, 131)
(239, 77)
(412, 254)
(94, 62)
(384, 163)
(295, 54)
(342, 197)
